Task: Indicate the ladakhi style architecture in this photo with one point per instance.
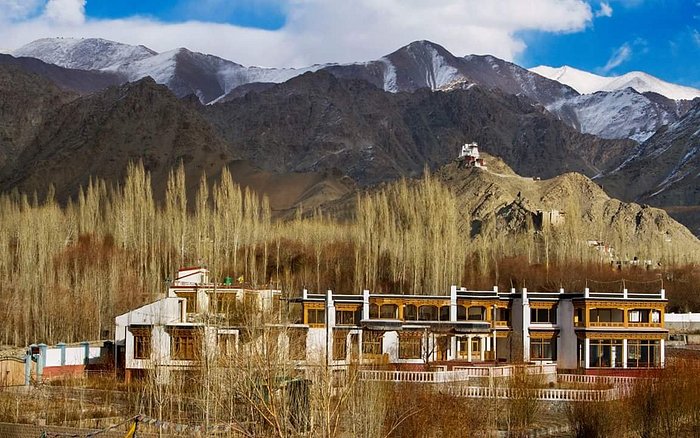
(593, 333)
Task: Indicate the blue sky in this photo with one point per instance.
(661, 37)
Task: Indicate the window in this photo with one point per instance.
(445, 313)
(503, 315)
(316, 316)
(347, 317)
(373, 311)
(607, 316)
(388, 311)
(638, 315)
(543, 349)
(372, 342)
(543, 315)
(410, 312)
(227, 344)
(643, 353)
(222, 303)
(655, 316)
(297, 343)
(476, 313)
(605, 352)
(461, 313)
(340, 346)
(427, 313)
(580, 316)
(142, 341)
(191, 298)
(410, 345)
(183, 344)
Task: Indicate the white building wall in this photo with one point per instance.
(566, 342)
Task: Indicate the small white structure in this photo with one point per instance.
(470, 156)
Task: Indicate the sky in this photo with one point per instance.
(610, 37)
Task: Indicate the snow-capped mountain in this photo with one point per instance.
(586, 83)
(83, 53)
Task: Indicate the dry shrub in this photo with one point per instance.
(594, 419)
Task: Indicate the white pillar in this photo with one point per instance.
(453, 303)
(453, 348)
(613, 356)
(469, 348)
(365, 304)
(482, 344)
(495, 357)
(662, 352)
(586, 352)
(624, 353)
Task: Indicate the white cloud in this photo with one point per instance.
(622, 54)
(319, 31)
(18, 9)
(605, 10)
(65, 12)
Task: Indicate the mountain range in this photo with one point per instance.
(336, 126)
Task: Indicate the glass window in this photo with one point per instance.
(503, 314)
(373, 311)
(227, 344)
(543, 315)
(607, 316)
(605, 352)
(410, 312)
(655, 316)
(476, 313)
(461, 313)
(183, 344)
(543, 349)
(347, 317)
(428, 313)
(316, 316)
(643, 353)
(445, 313)
(388, 311)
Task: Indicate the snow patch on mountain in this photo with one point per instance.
(586, 83)
(83, 53)
(389, 76)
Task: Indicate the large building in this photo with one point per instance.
(588, 331)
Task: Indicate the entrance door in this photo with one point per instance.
(476, 349)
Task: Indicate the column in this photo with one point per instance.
(482, 344)
(62, 346)
(662, 352)
(28, 367)
(453, 303)
(624, 353)
(453, 348)
(365, 304)
(613, 356)
(41, 362)
(495, 356)
(586, 352)
(469, 348)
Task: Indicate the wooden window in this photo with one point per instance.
(410, 312)
(655, 317)
(428, 313)
(340, 346)
(638, 316)
(543, 349)
(476, 313)
(142, 341)
(316, 316)
(184, 344)
(388, 311)
(503, 314)
(410, 345)
(297, 343)
(347, 317)
(580, 316)
(222, 303)
(543, 315)
(372, 342)
(373, 311)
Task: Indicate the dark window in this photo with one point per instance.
(643, 353)
(316, 316)
(476, 313)
(607, 316)
(410, 313)
(183, 344)
(373, 311)
(340, 348)
(142, 342)
(548, 315)
(428, 313)
(503, 314)
(543, 349)
(191, 298)
(461, 313)
(388, 311)
(445, 313)
(347, 317)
